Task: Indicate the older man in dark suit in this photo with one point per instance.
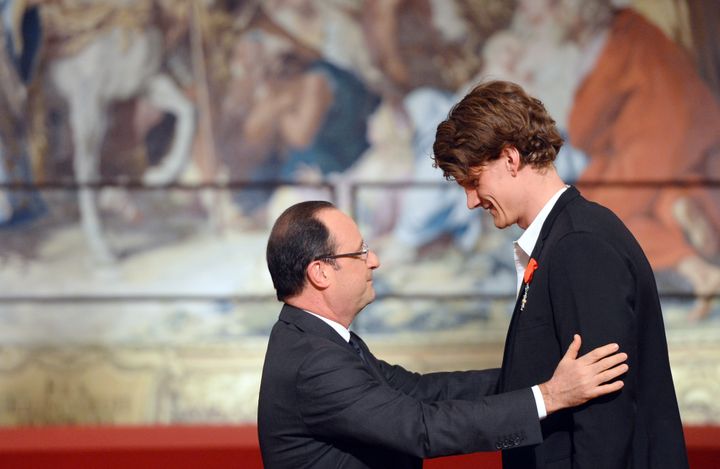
(579, 270)
(326, 401)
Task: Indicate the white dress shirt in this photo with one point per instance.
(522, 248)
(339, 328)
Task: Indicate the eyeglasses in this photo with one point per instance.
(363, 254)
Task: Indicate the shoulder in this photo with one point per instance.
(584, 216)
(296, 340)
(580, 207)
(584, 228)
(585, 225)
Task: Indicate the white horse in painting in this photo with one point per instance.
(117, 65)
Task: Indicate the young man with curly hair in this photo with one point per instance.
(579, 270)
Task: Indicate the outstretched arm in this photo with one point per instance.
(574, 382)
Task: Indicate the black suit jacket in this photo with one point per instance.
(321, 406)
(594, 279)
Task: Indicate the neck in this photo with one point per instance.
(539, 187)
(316, 305)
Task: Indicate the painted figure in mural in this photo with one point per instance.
(308, 115)
(327, 401)
(21, 33)
(429, 43)
(332, 28)
(642, 113)
(578, 269)
(322, 112)
(116, 55)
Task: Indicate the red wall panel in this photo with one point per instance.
(213, 447)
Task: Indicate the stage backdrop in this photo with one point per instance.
(146, 147)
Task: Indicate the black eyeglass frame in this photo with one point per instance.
(360, 254)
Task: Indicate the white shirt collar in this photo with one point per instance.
(339, 328)
(524, 246)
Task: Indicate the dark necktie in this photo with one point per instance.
(356, 346)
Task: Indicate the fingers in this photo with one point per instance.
(609, 375)
(609, 362)
(573, 349)
(599, 353)
(612, 373)
(607, 388)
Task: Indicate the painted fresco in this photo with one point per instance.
(147, 147)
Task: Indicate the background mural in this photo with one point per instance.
(146, 147)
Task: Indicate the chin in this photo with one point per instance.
(500, 225)
(370, 300)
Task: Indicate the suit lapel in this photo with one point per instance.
(570, 194)
(370, 359)
(312, 325)
(509, 342)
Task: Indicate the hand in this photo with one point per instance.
(577, 380)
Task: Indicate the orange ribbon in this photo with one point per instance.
(530, 271)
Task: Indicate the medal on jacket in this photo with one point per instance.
(527, 278)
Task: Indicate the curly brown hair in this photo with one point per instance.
(493, 116)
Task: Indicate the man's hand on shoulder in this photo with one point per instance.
(577, 380)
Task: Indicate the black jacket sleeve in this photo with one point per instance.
(592, 293)
(340, 399)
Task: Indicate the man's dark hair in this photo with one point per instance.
(493, 116)
(296, 239)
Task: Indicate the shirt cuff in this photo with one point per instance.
(539, 402)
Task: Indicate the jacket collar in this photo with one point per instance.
(568, 196)
(309, 324)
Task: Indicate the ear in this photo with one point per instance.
(317, 274)
(511, 157)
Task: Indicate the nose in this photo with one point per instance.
(473, 201)
(373, 261)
